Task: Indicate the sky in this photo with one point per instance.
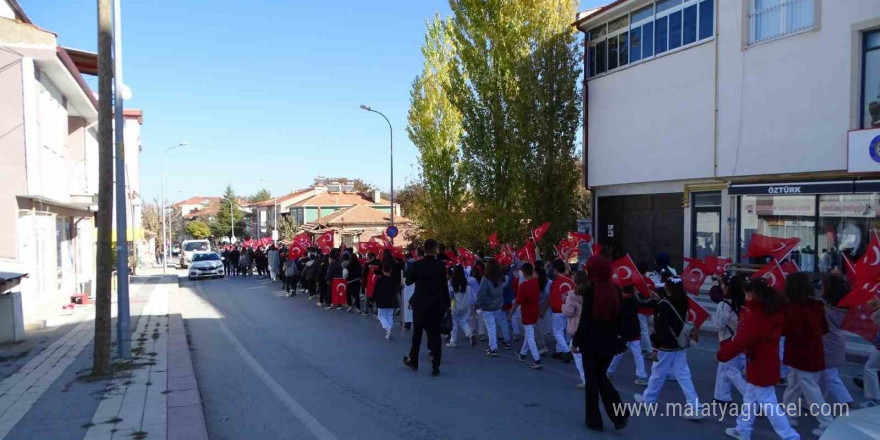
(267, 92)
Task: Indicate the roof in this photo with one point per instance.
(339, 199)
(282, 199)
(19, 12)
(85, 61)
(198, 200)
(360, 215)
(592, 13)
(134, 113)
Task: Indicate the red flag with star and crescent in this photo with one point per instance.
(868, 266)
(560, 288)
(539, 232)
(566, 248)
(694, 275)
(717, 264)
(624, 272)
(325, 242)
(527, 252)
(493, 240)
(774, 275)
(295, 251)
(372, 277)
(339, 292)
(789, 267)
(578, 238)
(696, 313)
(303, 239)
(773, 247)
(467, 257)
(858, 321)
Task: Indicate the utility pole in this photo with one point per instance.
(104, 220)
(123, 317)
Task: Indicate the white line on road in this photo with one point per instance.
(311, 423)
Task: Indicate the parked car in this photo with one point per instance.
(189, 248)
(206, 265)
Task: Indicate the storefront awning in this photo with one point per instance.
(43, 203)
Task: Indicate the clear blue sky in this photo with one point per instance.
(262, 88)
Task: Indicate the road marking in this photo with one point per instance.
(311, 423)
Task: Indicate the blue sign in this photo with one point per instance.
(874, 149)
(391, 231)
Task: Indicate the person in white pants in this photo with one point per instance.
(385, 297)
(872, 384)
(572, 310)
(762, 400)
(562, 342)
(638, 357)
(674, 363)
(461, 293)
(834, 288)
(728, 375)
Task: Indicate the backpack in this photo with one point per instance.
(683, 338)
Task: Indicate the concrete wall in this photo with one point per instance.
(784, 106)
(653, 121)
(12, 150)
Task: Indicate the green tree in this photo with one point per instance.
(286, 227)
(220, 223)
(437, 201)
(260, 196)
(198, 229)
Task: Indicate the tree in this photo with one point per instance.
(198, 229)
(220, 223)
(260, 196)
(286, 227)
(437, 201)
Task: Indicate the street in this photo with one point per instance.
(269, 366)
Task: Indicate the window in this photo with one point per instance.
(871, 81)
(780, 216)
(706, 221)
(845, 220)
(775, 18)
(651, 30)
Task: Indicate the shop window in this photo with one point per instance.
(706, 224)
(844, 224)
(784, 217)
(871, 81)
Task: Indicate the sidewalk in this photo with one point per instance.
(152, 395)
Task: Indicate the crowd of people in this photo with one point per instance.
(769, 339)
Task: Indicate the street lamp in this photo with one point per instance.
(165, 235)
(231, 220)
(391, 138)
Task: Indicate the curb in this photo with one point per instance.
(186, 416)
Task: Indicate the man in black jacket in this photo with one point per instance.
(429, 303)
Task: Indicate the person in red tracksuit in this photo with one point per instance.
(804, 351)
(528, 297)
(760, 327)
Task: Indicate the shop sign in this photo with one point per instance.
(864, 151)
(793, 188)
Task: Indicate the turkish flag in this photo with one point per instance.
(717, 264)
(372, 276)
(467, 257)
(503, 259)
(493, 240)
(339, 292)
(295, 251)
(694, 275)
(385, 240)
(858, 320)
(597, 249)
(325, 242)
(363, 248)
(773, 274)
(624, 272)
(560, 288)
(868, 267)
(696, 313)
(539, 232)
(789, 267)
(397, 253)
(527, 252)
(577, 237)
(773, 247)
(850, 270)
(565, 248)
(304, 240)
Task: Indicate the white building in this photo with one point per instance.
(706, 121)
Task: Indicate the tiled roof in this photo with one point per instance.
(339, 199)
(198, 200)
(281, 199)
(359, 215)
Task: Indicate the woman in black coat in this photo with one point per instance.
(598, 338)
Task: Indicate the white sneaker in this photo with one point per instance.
(544, 351)
(639, 398)
(642, 382)
(452, 345)
(732, 432)
(696, 415)
(581, 385)
(388, 334)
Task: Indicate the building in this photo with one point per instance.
(360, 223)
(48, 141)
(198, 206)
(706, 121)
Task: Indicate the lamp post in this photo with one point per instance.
(231, 221)
(165, 235)
(391, 154)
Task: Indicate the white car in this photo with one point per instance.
(189, 248)
(206, 265)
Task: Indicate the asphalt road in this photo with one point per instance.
(269, 367)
